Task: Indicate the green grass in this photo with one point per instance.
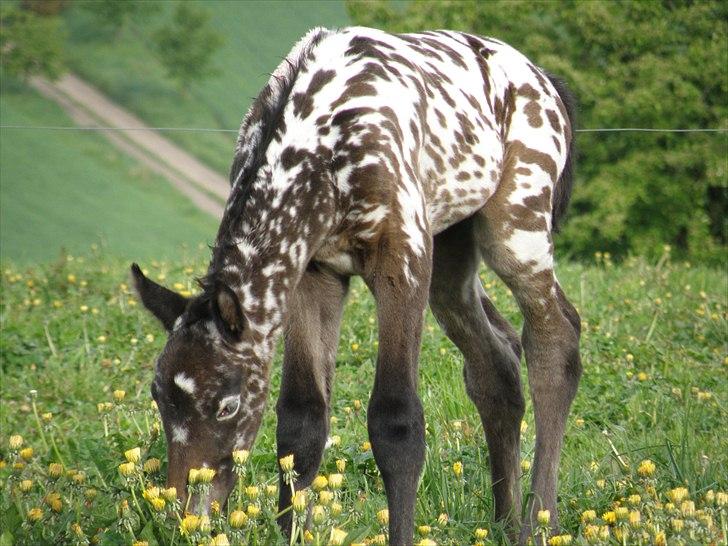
(257, 35)
(654, 387)
(73, 189)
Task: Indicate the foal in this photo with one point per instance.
(405, 159)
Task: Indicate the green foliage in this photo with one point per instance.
(115, 15)
(186, 46)
(30, 44)
(631, 64)
(653, 347)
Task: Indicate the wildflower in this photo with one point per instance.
(206, 475)
(588, 515)
(90, 494)
(215, 507)
(71, 278)
(621, 513)
(299, 501)
(609, 517)
(337, 537)
(335, 509)
(253, 510)
(141, 543)
(53, 499)
(427, 542)
(335, 439)
(366, 446)
(560, 540)
(481, 534)
(25, 486)
(101, 339)
(660, 539)
(252, 492)
(286, 463)
(26, 453)
(379, 540)
(457, 469)
(318, 514)
(579, 422)
(646, 468)
(47, 416)
(524, 426)
(721, 498)
(35, 514)
(189, 524)
(325, 497)
(341, 465)
(525, 465)
(634, 500)
(357, 405)
(591, 533)
(238, 519)
(354, 346)
(149, 338)
(78, 477)
(152, 465)
(55, 470)
(119, 395)
(710, 497)
(678, 494)
(240, 456)
(158, 504)
(220, 540)
(15, 441)
(126, 469)
(169, 494)
(133, 455)
(151, 493)
(84, 308)
(642, 376)
(543, 517)
(319, 483)
(336, 480)
(442, 519)
(677, 524)
(271, 491)
(629, 357)
(635, 518)
(383, 517)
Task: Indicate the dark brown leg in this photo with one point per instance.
(492, 353)
(311, 338)
(395, 417)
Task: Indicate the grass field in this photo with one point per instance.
(257, 35)
(654, 388)
(72, 189)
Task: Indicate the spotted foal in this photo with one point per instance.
(405, 159)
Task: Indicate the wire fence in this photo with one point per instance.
(217, 130)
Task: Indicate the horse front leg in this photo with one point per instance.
(311, 337)
(395, 417)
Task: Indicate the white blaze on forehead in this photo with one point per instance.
(184, 382)
(179, 434)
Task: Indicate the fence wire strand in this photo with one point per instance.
(214, 130)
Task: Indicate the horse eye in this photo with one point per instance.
(229, 406)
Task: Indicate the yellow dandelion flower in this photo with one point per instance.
(341, 465)
(621, 513)
(240, 456)
(206, 475)
(721, 498)
(560, 540)
(271, 491)
(35, 514)
(660, 539)
(238, 519)
(543, 517)
(286, 463)
(354, 346)
(588, 516)
(337, 537)
(634, 500)
(220, 540)
(687, 508)
(335, 509)
(189, 524)
(15, 441)
(83, 308)
(299, 501)
(442, 519)
(609, 517)
(252, 492)
(318, 514)
(90, 494)
(26, 453)
(119, 395)
(133, 455)
(127, 469)
(424, 530)
(47, 416)
(457, 469)
(53, 499)
(677, 524)
(481, 534)
(151, 493)
(524, 426)
(152, 465)
(158, 503)
(319, 483)
(646, 468)
(379, 540)
(635, 518)
(366, 446)
(193, 476)
(25, 486)
(141, 543)
(427, 542)
(335, 440)
(678, 494)
(169, 494)
(55, 470)
(336, 481)
(525, 465)
(253, 510)
(71, 278)
(383, 517)
(325, 497)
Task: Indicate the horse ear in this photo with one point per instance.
(164, 304)
(227, 312)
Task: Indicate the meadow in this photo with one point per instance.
(83, 457)
(67, 189)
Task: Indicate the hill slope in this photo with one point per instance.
(257, 36)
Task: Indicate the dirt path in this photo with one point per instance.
(207, 189)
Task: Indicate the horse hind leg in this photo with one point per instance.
(515, 239)
(491, 350)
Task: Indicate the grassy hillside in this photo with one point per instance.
(653, 389)
(73, 189)
(257, 36)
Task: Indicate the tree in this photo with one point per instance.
(187, 45)
(30, 44)
(632, 63)
(115, 14)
